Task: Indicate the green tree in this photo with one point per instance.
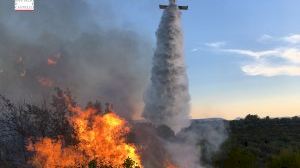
(250, 117)
(129, 163)
(285, 159)
(238, 158)
(92, 164)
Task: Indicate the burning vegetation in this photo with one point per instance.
(52, 60)
(68, 135)
(45, 81)
(101, 142)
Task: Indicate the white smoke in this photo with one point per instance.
(167, 98)
(186, 152)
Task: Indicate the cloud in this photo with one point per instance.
(265, 38)
(290, 57)
(195, 49)
(293, 39)
(256, 54)
(291, 54)
(261, 69)
(216, 44)
(263, 63)
(290, 39)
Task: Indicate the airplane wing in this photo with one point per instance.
(163, 6)
(183, 7)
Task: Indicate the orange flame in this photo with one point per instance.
(51, 61)
(101, 138)
(46, 82)
(168, 164)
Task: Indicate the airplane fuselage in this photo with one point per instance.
(173, 2)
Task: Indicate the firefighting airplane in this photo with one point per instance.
(173, 2)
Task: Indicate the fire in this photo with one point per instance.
(50, 153)
(101, 141)
(44, 81)
(168, 164)
(51, 61)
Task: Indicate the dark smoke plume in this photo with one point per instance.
(167, 99)
(72, 44)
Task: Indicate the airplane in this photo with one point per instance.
(173, 2)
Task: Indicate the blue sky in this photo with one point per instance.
(242, 56)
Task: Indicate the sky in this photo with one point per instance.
(243, 57)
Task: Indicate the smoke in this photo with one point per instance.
(167, 99)
(203, 138)
(76, 45)
(185, 152)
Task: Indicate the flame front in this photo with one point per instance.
(169, 164)
(45, 81)
(101, 138)
(51, 61)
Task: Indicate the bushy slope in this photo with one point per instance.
(255, 142)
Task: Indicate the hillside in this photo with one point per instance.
(255, 142)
